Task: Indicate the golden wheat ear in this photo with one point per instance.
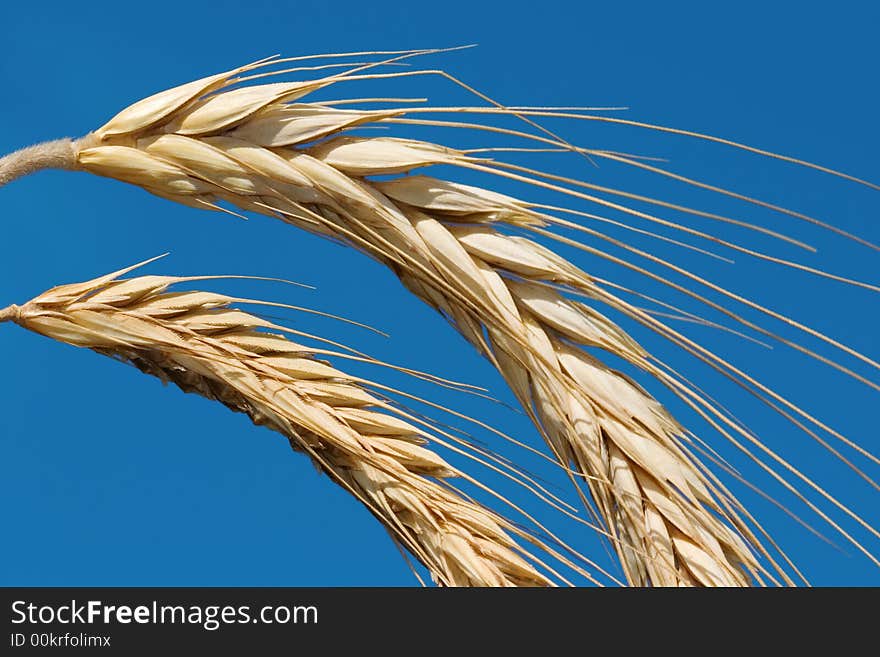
(375, 449)
(464, 251)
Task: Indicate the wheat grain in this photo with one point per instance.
(198, 342)
(258, 148)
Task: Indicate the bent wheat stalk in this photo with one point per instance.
(198, 342)
(260, 149)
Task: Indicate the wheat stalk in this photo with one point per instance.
(259, 149)
(374, 450)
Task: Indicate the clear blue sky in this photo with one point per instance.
(107, 478)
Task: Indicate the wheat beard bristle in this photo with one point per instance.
(196, 341)
(257, 148)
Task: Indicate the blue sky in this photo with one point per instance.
(109, 479)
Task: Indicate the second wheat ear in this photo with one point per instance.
(461, 249)
(378, 452)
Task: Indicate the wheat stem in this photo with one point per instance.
(10, 313)
(57, 154)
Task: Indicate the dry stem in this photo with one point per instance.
(58, 154)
